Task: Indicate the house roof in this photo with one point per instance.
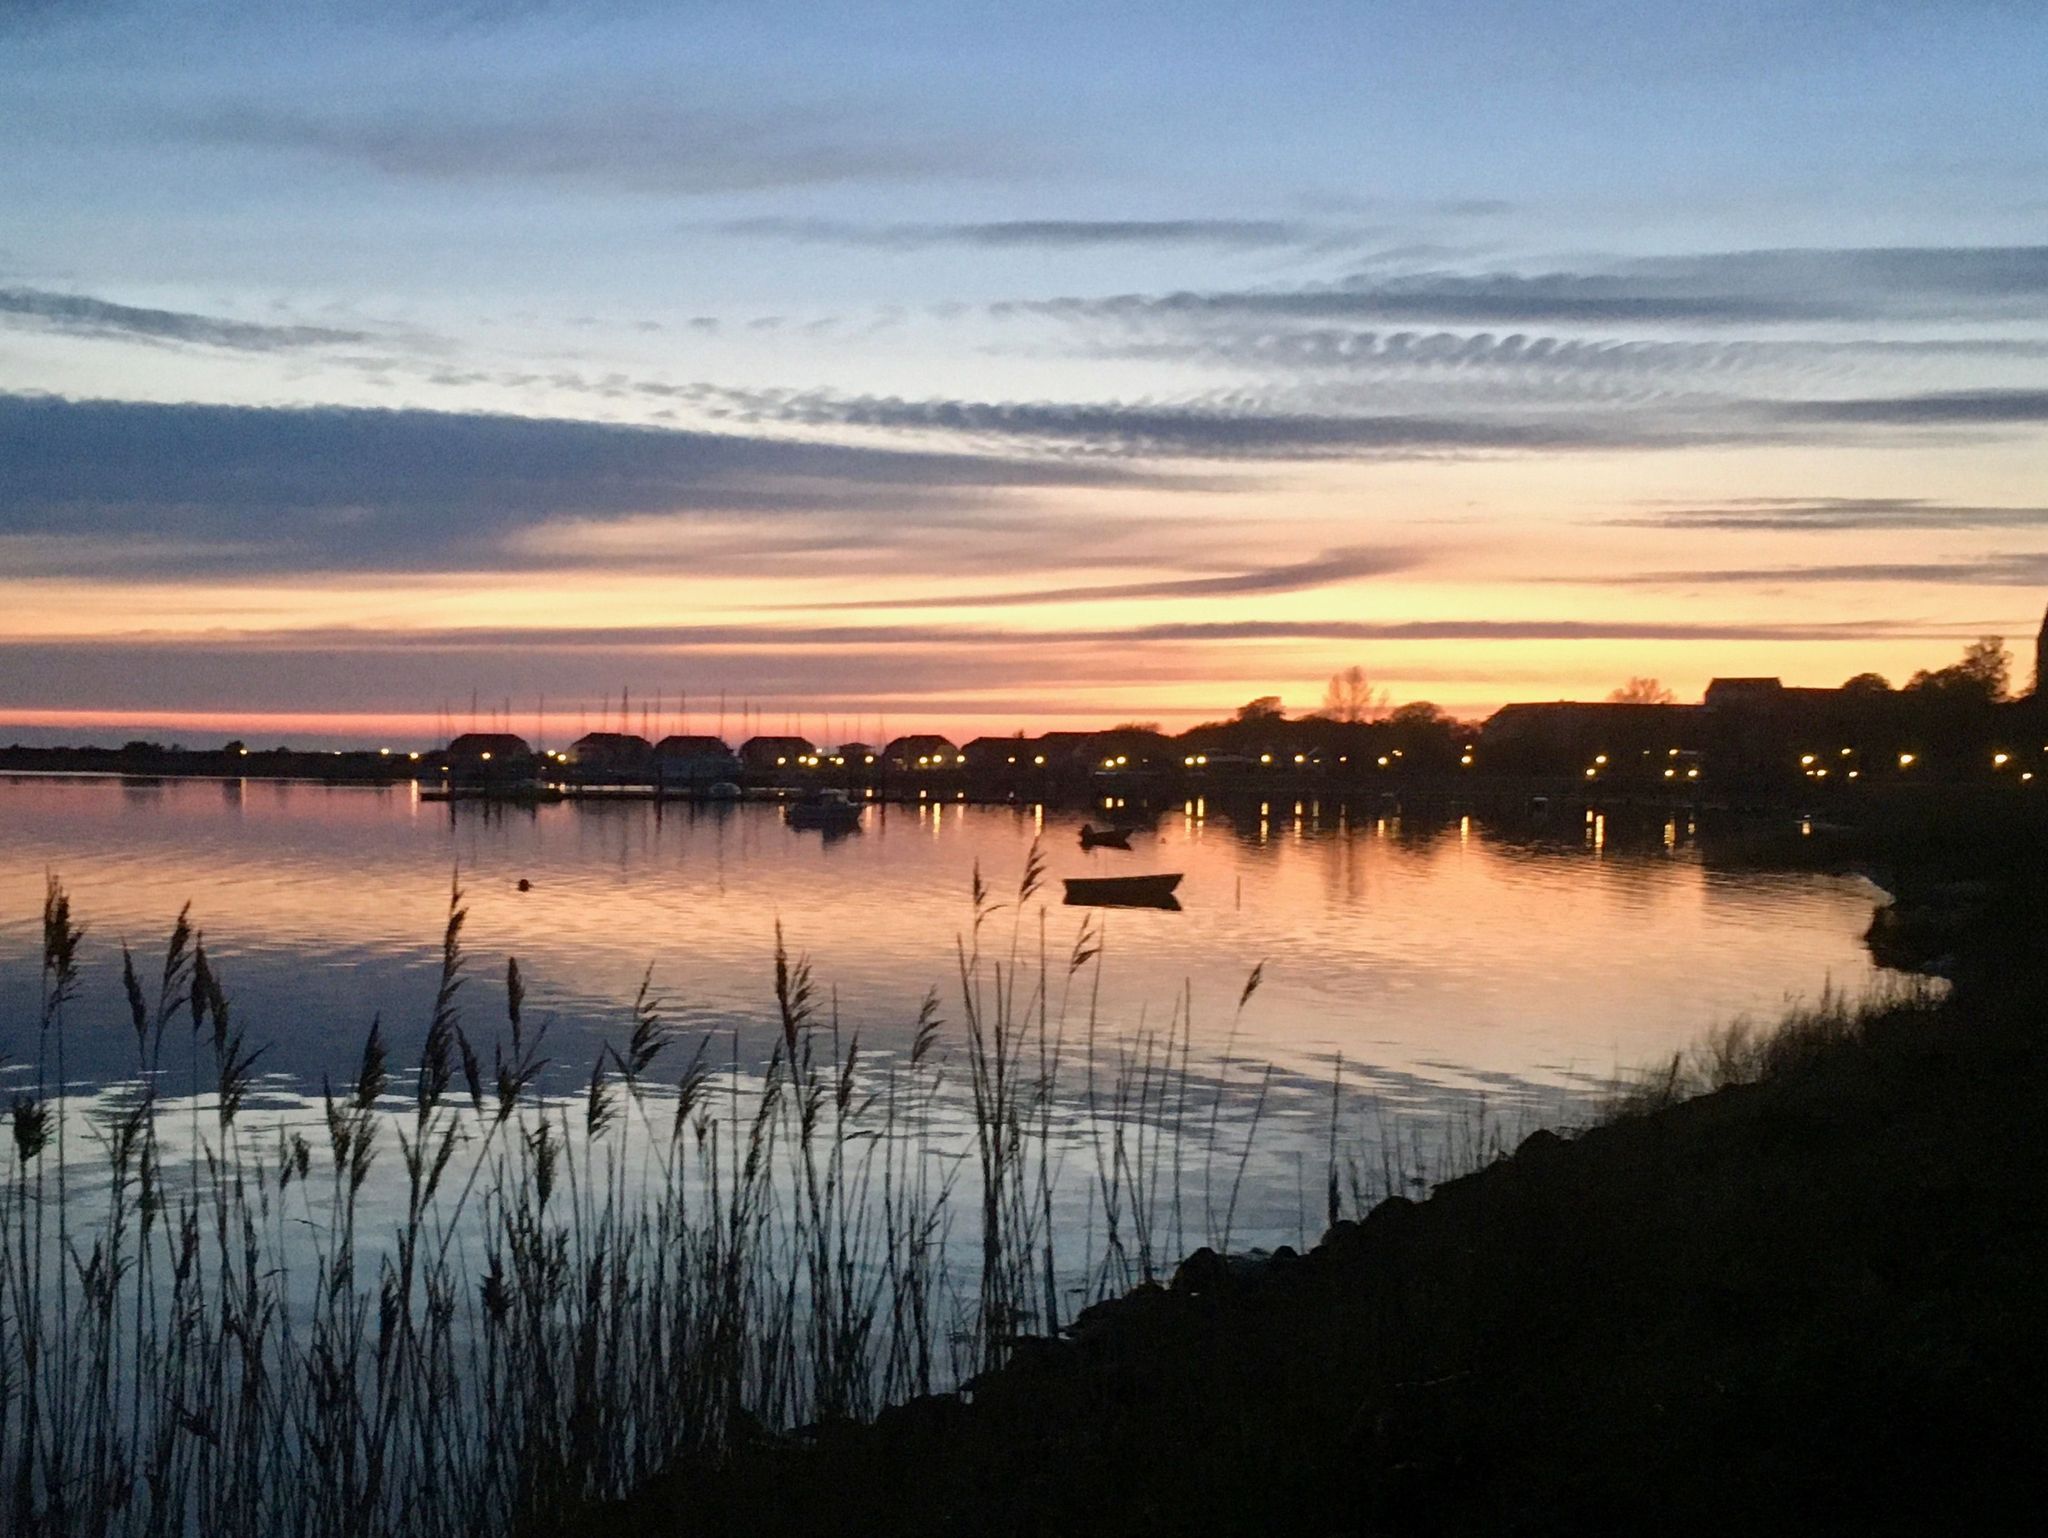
(681, 745)
(501, 744)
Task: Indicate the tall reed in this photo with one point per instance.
(448, 1303)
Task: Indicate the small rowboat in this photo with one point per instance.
(1123, 891)
(1105, 838)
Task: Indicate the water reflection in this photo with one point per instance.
(1441, 956)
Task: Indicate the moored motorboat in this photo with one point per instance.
(1123, 891)
(1105, 838)
(831, 811)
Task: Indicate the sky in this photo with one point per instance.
(990, 367)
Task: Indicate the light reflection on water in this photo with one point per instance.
(1437, 959)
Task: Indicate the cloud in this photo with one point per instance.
(858, 638)
(1292, 577)
(2007, 570)
(1546, 355)
(637, 145)
(348, 488)
(1033, 234)
(1231, 431)
(1497, 300)
(1826, 515)
(1706, 289)
(982, 669)
(1948, 408)
(82, 315)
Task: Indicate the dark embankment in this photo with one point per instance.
(1813, 1303)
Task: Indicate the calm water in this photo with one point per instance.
(1439, 961)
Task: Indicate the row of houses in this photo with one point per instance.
(695, 759)
(1760, 731)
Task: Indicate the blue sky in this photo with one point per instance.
(357, 356)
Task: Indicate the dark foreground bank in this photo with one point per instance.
(1813, 1303)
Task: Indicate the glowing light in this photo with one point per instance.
(1038, 758)
(2000, 760)
(1265, 758)
(1301, 758)
(1906, 760)
(1592, 773)
(1466, 760)
(1806, 758)
(486, 756)
(1383, 760)
(1599, 758)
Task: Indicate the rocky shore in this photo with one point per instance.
(1813, 1303)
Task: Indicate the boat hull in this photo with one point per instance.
(830, 819)
(1123, 891)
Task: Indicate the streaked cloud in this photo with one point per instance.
(83, 315)
(1332, 566)
(1947, 408)
(1235, 430)
(1831, 515)
(856, 637)
(2029, 569)
(349, 488)
(637, 144)
(1037, 234)
(1715, 289)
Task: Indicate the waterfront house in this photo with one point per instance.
(616, 756)
(694, 760)
(766, 755)
(489, 758)
(922, 751)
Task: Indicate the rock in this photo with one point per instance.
(1390, 1216)
(928, 1415)
(1540, 1144)
(1037, 1354)
(1340, 1237)
(1202, 1272)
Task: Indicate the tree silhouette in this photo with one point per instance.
(1351, 697)
(1263, 709)
(1642, 691)
(1984, 673)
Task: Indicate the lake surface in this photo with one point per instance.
(1440, 960)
